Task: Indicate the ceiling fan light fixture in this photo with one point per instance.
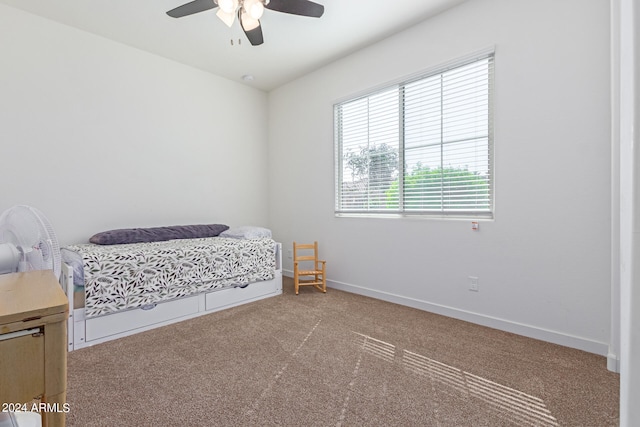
(227, 18)
(255, 8)
(227, 6)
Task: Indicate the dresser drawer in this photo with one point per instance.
(22, 366)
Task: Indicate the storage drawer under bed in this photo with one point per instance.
(234, 296)
(111, 324)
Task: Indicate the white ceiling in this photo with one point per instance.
(293, 45)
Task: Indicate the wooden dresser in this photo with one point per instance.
(33, 344)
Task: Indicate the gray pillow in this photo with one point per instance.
(247, 232)
(157, 234)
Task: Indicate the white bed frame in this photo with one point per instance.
(84, 332)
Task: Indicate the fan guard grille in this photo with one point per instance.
(31, 232)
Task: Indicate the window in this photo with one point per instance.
(421, 147)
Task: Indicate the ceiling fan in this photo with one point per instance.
(249, 12)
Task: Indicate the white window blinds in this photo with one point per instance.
(420, 147)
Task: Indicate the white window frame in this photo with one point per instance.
(486, 204)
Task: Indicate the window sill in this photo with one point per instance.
(456, 217)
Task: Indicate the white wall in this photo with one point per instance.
(137, 140)
(98, 135)
(544, 262)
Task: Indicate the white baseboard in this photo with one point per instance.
(542, 334)
(613, 363)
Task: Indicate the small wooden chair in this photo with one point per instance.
(316, 274)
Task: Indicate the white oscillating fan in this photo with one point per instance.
(27, 242)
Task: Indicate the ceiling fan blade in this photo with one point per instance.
(297, 7)
(254, 35)
(192, 7)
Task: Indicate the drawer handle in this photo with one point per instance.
(19, 334)
(148, 306)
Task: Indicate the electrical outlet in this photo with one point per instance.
(473, 284)
(289, 254)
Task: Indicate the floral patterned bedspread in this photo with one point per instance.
(119, 277)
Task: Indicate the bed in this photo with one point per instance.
(132, 285)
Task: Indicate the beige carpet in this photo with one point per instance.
(336, 359)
